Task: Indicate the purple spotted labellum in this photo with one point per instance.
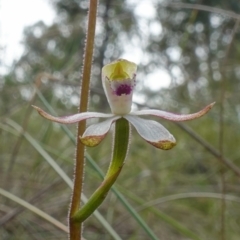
(119, 80)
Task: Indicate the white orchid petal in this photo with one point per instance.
(95, 133)
(72, 118)
(172, 116)
(153, 132)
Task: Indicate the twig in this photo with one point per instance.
(210, 149)
(187, 195)
(205, 8)
(27, 115)
(76, 229)
(221, 131)
(10, 215)
(32, 208)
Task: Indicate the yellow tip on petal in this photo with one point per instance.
(164, 145)
(91, 141)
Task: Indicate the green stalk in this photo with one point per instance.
(75, 230)
(121, 141)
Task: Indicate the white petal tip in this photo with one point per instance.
(43, 113)
(212, 104)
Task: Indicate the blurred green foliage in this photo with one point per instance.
(199, 50)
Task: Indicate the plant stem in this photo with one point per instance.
(75, 229)
(121, 141)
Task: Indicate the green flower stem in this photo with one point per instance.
(121, 141)
(75, 230)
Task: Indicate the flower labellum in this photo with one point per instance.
(118, 79)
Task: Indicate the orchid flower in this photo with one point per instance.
(119, 80)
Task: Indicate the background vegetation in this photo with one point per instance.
(190, 192)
